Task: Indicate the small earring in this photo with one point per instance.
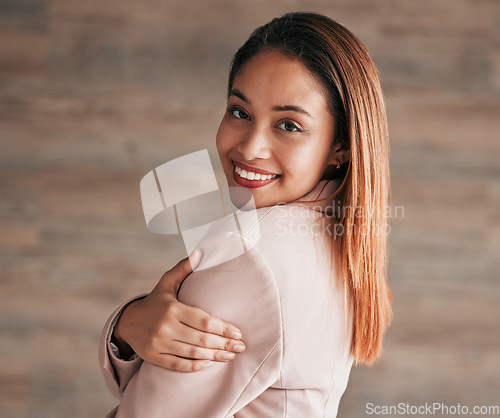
(338, 166)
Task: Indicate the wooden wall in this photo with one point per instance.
(94, 94)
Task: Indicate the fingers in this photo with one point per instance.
(194, 352)
(180, 364)
(208, 331)
(202, 339)
(203, 321)
(189, 358)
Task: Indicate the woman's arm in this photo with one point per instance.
(163, 331)
(243, 291)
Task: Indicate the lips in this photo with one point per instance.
(252, 177)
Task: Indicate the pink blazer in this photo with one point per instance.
(285, 297)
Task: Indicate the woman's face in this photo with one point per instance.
(276, 135)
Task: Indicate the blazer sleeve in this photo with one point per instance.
(116, 371)
(243, 291)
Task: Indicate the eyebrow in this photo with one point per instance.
(239, 94)
(293, 108)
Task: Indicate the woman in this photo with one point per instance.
(305, 131)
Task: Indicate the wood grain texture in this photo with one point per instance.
(94, 94)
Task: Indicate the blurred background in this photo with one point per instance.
(94, 94)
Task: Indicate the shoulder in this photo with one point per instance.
(232, 259)
(280, 252)
(235, 280)
(240, 289)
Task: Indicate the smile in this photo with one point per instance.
(250, 175)
(246, 177)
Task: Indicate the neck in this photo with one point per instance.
(320, 198)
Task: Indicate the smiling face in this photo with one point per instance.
(277, 133)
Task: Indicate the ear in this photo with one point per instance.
(339, 155)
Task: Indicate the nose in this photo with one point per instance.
(255, 144)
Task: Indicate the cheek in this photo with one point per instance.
(224, 139)
(221, 142)
(305, 164)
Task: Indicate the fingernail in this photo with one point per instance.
(236, 335)
(239, 348)
(228, 356)
(206, 364)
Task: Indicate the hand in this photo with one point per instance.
(170, 334)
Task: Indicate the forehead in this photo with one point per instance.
(273, 77)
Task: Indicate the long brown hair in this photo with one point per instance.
(349, 77)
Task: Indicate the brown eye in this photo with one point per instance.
(289, 127)
(238, 113)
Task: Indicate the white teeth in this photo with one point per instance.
(250, 175)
